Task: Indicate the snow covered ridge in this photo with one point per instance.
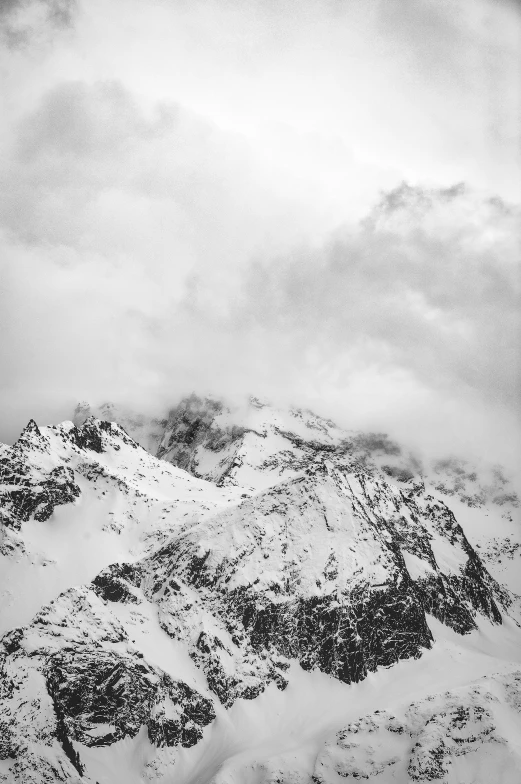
(73, 500)
(170, 601)
(256, 444)
(30, 487)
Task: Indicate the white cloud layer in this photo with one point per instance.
(211, 196)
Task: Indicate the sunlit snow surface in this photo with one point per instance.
(452, 715)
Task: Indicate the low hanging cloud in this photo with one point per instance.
(411, 319)
(146, 252)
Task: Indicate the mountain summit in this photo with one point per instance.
(252, 595)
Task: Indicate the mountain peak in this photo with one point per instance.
(250, 551)
(31, 429)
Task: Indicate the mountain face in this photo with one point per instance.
(265, 598)
(256, 446)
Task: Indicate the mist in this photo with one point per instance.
(313, 202)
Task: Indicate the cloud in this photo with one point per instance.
(428, 284)
(23, 21)
(212, 200)
(111, 213)
(411, 321)
(89, 157)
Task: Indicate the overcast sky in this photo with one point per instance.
(314, 200)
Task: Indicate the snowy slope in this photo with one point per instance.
(75, 500)
(301, 605)
(257, 444)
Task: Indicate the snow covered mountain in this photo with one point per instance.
(259, 597)
(256, 446)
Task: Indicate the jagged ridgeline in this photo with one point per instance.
(240, 548)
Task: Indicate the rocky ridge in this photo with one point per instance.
(259, 443)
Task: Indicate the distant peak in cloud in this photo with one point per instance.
(405, 196)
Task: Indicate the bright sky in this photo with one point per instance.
(210, 196)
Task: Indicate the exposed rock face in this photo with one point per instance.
(116, 583)
(86, 683)
(147, 431)
(37, 500)
(27, 493)
(335, 570)
(317, 603)
(193, 428)
(104, 697)
(30, 487)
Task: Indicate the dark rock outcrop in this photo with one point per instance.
(26, 496)
(192, 425)
(115, 583)
(103, 697)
